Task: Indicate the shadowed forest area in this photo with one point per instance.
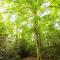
(29, 29)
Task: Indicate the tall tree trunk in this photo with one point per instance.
(38, 45)
(37, 38)
(36, 30)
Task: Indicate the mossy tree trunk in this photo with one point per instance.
(38, 40)
(37, 37)
(36, 31)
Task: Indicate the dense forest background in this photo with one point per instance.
(30, 28)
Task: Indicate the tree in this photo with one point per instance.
(40, 17)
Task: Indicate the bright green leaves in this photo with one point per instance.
(25, 9)
(0, 16)
(20, 17)
(8, 1)
(2, 28)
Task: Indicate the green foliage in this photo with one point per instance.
(19, 19)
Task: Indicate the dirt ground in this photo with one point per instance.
(29, 58)
(33, 58)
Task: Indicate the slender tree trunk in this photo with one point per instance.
(38, 45)
(36, 30)
(37, 38)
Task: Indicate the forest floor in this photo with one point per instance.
(30, 58)
(33, 58)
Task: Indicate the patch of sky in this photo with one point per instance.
(13, 17)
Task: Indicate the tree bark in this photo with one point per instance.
(36, 30)
(37, 38)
